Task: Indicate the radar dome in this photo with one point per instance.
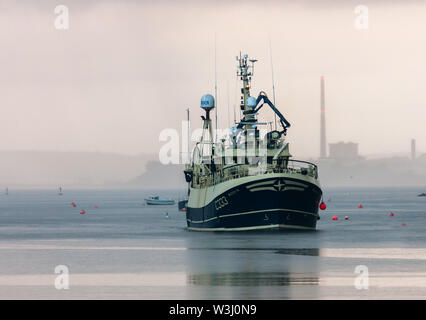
(207, 102)
(251, 102)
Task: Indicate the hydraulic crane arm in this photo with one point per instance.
(264, 99)
(262, 96)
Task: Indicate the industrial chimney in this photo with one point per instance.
(413, 149)
(323, 142)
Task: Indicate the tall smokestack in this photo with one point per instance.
(323, 146)
(413, 149)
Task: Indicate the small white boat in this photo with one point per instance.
(156, 200)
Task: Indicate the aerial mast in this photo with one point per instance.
(245, 75)
(215, 87)
(207, 104)
(273, 81)
(188, 157)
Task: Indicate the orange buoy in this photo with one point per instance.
(360, 206)
(391, 214)
(329, 200)
(82, 212)
(335, 218)
(323, 206)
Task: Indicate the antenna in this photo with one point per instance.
(227, 91)
(235, 100)
(189, 139)
(273, 81)
(215, 87)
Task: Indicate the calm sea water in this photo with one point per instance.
(125, 250)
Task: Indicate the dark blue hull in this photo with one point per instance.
(261, 204)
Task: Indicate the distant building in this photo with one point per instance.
(343, 150)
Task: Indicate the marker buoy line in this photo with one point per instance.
(335, 218)
(82, 212)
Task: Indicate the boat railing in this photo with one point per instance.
(240, 171)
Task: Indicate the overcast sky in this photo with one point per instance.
(125, 70)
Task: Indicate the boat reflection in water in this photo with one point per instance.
(251, 279)
(248, 271)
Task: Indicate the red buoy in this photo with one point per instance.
(391, 214)
(96, 207)
(360, 206)
(346, 218)
(323, 206)
(143, 203)
(73, 204)
(82, 212)
(403, 224)
(335, 218)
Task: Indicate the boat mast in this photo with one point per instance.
(245, 75)
(215, 87)
(188, 157)
(273, 81)
(207, 104)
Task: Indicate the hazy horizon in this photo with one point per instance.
(88, 170)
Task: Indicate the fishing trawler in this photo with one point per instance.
(249, 181)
